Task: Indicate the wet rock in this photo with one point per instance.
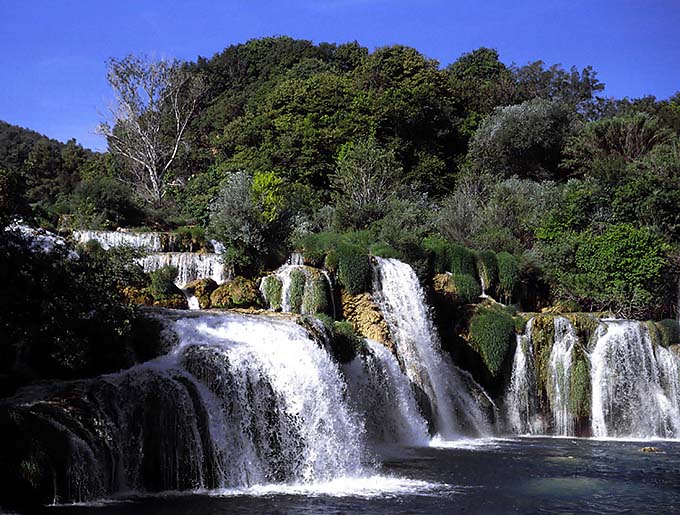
(651, 449)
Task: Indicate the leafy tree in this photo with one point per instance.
(154, 104)
(524, 140)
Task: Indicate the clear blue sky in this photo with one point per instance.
(52, 63)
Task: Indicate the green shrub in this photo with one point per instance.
(383, 250)
(190, 238)
(296, 290)
(163, 282)
(272, 289)
(240, 292)
(354, 270)
(462, 260)
(508, 275)
(330, 263)
(491, 332)
(487, 268)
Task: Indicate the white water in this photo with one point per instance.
(150, 241)
(381, 393)
(402, 302)
(190, 265)
(634, 384)
(560, 362)
(521, 398)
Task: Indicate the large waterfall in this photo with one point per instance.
(402, 301)
(634, 383)
(240, 401)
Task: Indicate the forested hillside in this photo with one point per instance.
(335, 150)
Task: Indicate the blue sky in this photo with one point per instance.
(52, 63)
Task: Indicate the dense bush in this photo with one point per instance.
(466, 287)
(487, 269)
(163, 282)
(354, 269)
(491, 331)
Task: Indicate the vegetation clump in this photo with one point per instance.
(240, 292)
(272, 288)
(491, 332)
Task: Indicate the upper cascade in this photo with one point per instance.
(401, 298)
(150, 241)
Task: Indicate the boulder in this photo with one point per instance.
(202, 289)
(365, 316)
(650, 449)
(140, 296)
(237, 293)
(176, 301)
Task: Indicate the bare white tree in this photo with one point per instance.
(154, 103)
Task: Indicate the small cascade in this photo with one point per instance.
(150, 241)
(241, 401)
(296, 259)
(192, 301)
(299, 289)
(390, 412)
(521, 398)
(634, 383)
(190, 265)
(559, 377)
(402, 302)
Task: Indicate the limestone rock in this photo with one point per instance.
(363, 313)
(650, 449)
(177, 301)
(237, 293)
(202, 289)
(139, 296)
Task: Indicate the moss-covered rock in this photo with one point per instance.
(487, 269)
(491, 333)
(202, 289)
(366, 317)
(237, 293)
(542, 339)
(315, 298)
(664, 332)
(296, 290)
(174, 301)
(508, 276)
(354, 269)
(271, 287)
(139, 296)
(457, 288)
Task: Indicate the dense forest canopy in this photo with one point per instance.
(293, 144)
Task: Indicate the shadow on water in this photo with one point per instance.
(519, 475)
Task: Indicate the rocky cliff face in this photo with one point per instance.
(365, 316)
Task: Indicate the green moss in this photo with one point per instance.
(296, 290)
(330, 263)
(585, 325)
(466, 287)
(520, 323)
(272, 289)
(354, 271)
(542, 338)
(669, 332)
(579, 383)
(508, 276)
(240, 292)
(462, 261)
(491, 332)
(487, 268)
(315, 298)
(383, 250)
(438, 250)
(190, 239)
(346, 343)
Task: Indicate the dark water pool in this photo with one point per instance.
(519, 475)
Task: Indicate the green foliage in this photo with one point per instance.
(316, 294)
(491, 331)
(462, 261)
(524, 140)
(383, 250)
(240, 292)
(163, 282)
(191, 238)
(508, 276)
(12, 201)
(345, 342)
(354, 270)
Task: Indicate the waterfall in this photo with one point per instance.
(634, 383)
(150, 241)
(521, 398)
(241, 401)
(559, 377)
(190, 265)
(390, 411)
(402, 302)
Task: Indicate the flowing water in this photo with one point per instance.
(150, 241)
(560, 363)
(402, 301)
(190, 266)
